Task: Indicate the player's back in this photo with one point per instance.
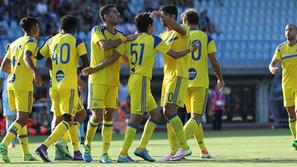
(21, 77)
(142, 52)
(177, 42)
(98, 55)
(65, 50)
(198, 68)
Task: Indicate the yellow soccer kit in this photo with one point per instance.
(287, 55)
(141, 53)
(64, 51)
(196, 97)
(103, 85)
(175, 80)
(20, 80)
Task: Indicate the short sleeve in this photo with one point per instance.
(98, 34)
(122, 48)
(81, 49)
(31, 46)
(277, 53)
(160, 45)
(44, 50)
(211, 45)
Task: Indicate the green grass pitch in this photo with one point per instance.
(229, 148)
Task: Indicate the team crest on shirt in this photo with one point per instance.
(12, 78)
(192, 73)
(60, 75)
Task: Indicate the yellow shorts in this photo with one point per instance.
(142, 100)
(196, 100)
(64, 101)
(20, 100)
(102, 96)
(290, 97)
(174, 91)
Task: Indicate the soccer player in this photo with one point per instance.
(103, 85)
(19, 62)
(141, 53)
(196, 96)
(286, 54)
(64, 49)
(61, 148)
(175, 80)
(10, 116)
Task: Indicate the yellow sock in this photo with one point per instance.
(173, 142)
(66, 137)
(177, 126)
(23, 138)
(57, 134)
(199, 136)
(147, 134)
(292, 125)
(129, 137)
(190, 127)
(91, 131)
(73, 133)
(106, 134)
(12, 133)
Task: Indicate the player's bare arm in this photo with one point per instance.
(109, 44)
(182, 53)
(109, 60)
(171, 23)
(85, 63)
(29, 63)
(273, 66)
(48, 63)
(5, 66)
(217, 70)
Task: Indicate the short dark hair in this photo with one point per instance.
(105, 10)
(170, 9)
(142, 21)
(28, 22)
(68, 22)
(190, 16)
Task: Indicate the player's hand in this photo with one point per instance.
(37, 79)
(220, 85)
(132, 37)
(273, 70)
(155, 14)
(88, 71)
(194, 47)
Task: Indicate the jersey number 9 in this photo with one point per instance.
(198, 56)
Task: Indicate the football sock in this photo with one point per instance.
(177, 126)
(129, 137)
(147, 133)
(292, 125)
(106, 133)
(173, 141)
(57, 134)
(73, 134)
(11, 133)
(91, 131)
(199, 136)
(23, 138)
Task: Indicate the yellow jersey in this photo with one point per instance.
(198, 68)
(21, 76)
(142, 52)
(64, 51)
(177, 42)
(287, 55)
(110, 74)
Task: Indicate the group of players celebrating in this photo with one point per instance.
(186, 52)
